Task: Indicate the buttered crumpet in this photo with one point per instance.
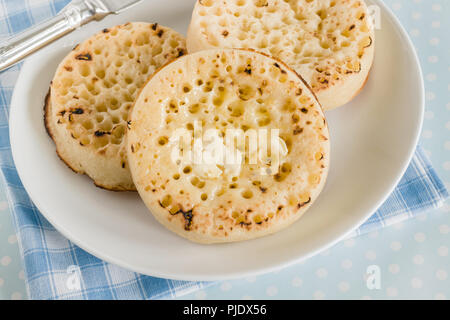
(227, 145)
(94, 87)
(330, 43)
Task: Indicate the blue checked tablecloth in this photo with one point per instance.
(57, 269)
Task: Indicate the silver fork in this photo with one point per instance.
(74, 15)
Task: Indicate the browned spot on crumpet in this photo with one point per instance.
(297, 130)
(300, 205)
(77, 111)
(84, 57)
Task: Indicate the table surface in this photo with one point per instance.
(412, 257)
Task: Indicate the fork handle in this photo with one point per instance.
(74, 15)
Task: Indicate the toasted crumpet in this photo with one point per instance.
(94, 87)
(330, 43)
(223, 90)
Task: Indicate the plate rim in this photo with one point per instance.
(233, 275)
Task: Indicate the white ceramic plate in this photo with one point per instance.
(373, 140)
